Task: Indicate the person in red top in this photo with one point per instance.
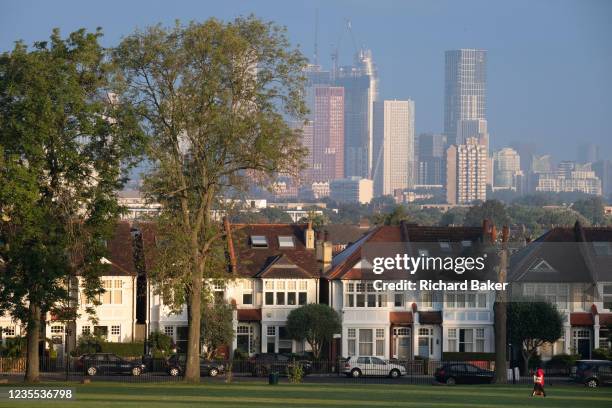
(538, 383)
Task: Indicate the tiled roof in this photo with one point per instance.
(430, 317)
(581, 319)
(283, 268)
(605, 319)
(344, 234)
(400, 317)
(249, 315)
(120, 251)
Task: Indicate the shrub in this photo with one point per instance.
(14, 347)
(240, 355)
(159, 343)
(295, 372)
(459, 356)
(124, 349)
(535, 362)
(89, 343)
(562, 360)
(601, 354)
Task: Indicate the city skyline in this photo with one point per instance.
(528, 69)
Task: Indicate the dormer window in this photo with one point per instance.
(259, 241)
(445, 245)
(466, 243)
(285, 241)
(423, 252)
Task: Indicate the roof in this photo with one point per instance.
(249, 315)
(605, 319)
(564, 254)
(407, 238)
(121, 252)
(273, 261)
(430, 317)
(345, 234)
(581, 319)
(400, 317)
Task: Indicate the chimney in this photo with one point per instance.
(309, 236)
(485, 230)
(230, 245)
(493, 233)
(505, 233)
(324, 249)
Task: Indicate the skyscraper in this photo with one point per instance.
(466, 177)
(464, 91)
(507, 169)
(328, 134)
(360, 85)
(393, 146)
(430, 151)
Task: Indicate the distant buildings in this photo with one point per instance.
(588, 153)
(393, 146)
(603, 170)
(507, 169)
(352, 190)
(464, 93)
(466, 172)
(430, 151)
(569, 177)
(360, 85)
(328, 133)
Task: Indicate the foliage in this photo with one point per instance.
(601, 354)
(467, 356)
(592, 209)
(295, 372)
(159, 343)
(562, 360)
(89, 343)
(315, 323)
(215, 99)
(531, 324)
(66, 144)
(217, 328)
(240, 355)
(123, 349)
(454, 216)
(491, 209)
(13, 347)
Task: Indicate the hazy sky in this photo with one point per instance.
(549, 61)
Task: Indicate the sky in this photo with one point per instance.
(549, 61)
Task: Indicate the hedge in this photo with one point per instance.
(458, 356)
(124, 349)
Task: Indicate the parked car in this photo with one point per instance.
(265, 363)
(371, 366)
(176, 366)
(108, 364)
(593, 373)
(463, 373)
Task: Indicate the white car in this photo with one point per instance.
(371, 366)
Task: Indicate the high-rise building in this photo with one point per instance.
(464, 93)
(588, 153)
(393, 146)
(328, 134)
(430, 150)
(541, 164)
(466, 172)
(351, 190)
(603, 170)
(360, 85)
(507, 169)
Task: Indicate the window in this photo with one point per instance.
(169, 331)
(283, 292)
(463, 300)
(607, 297)
(259, 241)
(280, 298)
(271, 331)
(555, 293)
(380, 342)
(113, 292)
(445, 246)
(269, 285)
(285, 342)
(291, 298)
(285, 241)
(247, 298)
(86, 330)
(360, 294)
(423, 252)
(9, 331)
(302, 298)
(426, 299)
(269, 298)
(466, 243)
(351, 341)
(365, 342)
(398, 300)
(466, 340)
(245, 339)
(303, 285)
(116, 330)
(57, 329)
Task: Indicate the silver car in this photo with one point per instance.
(358, 366)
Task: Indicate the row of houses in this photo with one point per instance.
(275, 268)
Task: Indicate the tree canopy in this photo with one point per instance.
(314, 323)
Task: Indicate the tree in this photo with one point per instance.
(394, 217)
(592, 209)
(531, 324)
(159, 343)
(275, 216)
(315, 323)
(65, 148)
(217, 328)
(491, 209)
(454, 216)
(215, 99)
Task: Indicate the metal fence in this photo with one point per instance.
(138, 369)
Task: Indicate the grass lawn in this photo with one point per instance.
(251, 395)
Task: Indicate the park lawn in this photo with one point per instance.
(252, 395)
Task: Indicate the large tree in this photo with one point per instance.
(314, 323)
(217, 328)
(531, 324)
(65, 141)
(216, 99)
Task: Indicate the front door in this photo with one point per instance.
(403, 343)
(582, 342)
(425, 342)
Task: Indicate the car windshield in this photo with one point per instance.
(376, 360)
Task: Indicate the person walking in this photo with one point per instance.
(538, 383)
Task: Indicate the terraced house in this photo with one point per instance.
(407, 324)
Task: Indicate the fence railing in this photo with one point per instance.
(158, 369)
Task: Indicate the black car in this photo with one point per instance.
(593, 373)
(463, 373)
(108, 364)
(176, 366)
(265, 363)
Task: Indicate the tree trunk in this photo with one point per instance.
(526, 358)
(33, 340)
(501, 370)
(192, 368)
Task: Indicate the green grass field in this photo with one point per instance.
(251, 395)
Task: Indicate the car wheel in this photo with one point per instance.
(91, 371)
(451, 381)
(395, 373)
(213, 372)
(174, 372)
(136, 371)
(356, 373)
(592, 383)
